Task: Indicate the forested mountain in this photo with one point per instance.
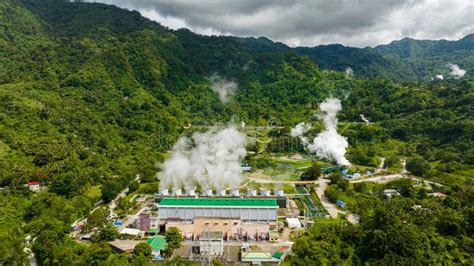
(404, 60)
(91, 94)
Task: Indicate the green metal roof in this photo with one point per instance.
(256, 255)
(218, 202)
(157, 242)
(277, 255)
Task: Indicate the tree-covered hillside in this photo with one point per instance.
(92, 95)
(404, 60)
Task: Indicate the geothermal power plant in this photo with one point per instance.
(236, 215)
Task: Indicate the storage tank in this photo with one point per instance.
(251, 192)
(221, 192)
(164, 192)
(279, 193)
(264, 192)
(235, 192)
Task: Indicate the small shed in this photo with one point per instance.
(293, 222)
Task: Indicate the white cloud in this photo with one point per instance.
(313, 22)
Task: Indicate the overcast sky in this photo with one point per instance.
(313, 22)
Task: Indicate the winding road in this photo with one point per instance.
(322, 184)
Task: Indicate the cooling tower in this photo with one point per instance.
(251, 192)
(235, 192)
(191, 191)
(221, 192)
(264, 192)
(177, 192)
(164, 192)
(279, 193)
(208, 192)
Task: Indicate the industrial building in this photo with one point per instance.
(190, 192)
(245, 209)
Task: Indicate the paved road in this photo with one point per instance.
(379, 179)
(268, 181)
(330, 207)
(380, 168)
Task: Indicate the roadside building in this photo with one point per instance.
(131, 232)
(34, 186)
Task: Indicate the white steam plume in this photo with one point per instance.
(329, 144)
(456, 71)
(224, 88)
(362, 116)
(300, 129)
(210, 159)
(349, 72)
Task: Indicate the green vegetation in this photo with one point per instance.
(410, 229)
(173, 240)
(92, 95)
(312, 173)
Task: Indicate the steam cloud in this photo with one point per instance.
(210, 159)
(300, 129)
(349, 72)
(456, 70)
(362, 116)
(328, 144)
(224, 88)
